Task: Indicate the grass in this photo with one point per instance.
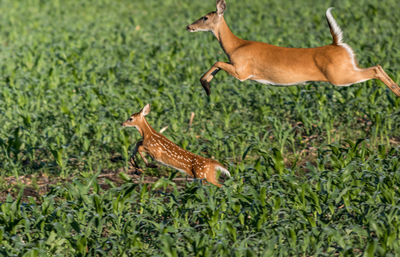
(315, 168)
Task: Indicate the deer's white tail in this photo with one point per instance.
(336, 32)
(223, 170)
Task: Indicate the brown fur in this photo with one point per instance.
(271, 64)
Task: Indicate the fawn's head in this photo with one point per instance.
(137, 118)
(209, 21)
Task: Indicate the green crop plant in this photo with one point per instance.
(315, 168)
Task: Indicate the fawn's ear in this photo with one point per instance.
(146, 110)
(221, 6)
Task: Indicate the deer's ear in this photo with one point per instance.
(145, 110)
(221, 6)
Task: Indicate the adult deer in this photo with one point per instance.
(169, 154)
(269, 64)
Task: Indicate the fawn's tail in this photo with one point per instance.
(223, 170)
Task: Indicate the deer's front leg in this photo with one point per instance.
(132, 159)
(138, 149)
(209, 75)
(141, 151)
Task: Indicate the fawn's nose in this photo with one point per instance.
(188, 28)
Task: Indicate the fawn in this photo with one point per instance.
(169, 154)
(269, 64)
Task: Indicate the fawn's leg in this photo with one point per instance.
(132, 159)
(210, 176)
(141, 151)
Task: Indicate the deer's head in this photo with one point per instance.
(209, 21)
(136, 119)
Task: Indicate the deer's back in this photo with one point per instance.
(168, 153)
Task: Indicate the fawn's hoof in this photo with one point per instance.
(138, 171)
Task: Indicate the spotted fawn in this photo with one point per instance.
(169, 154)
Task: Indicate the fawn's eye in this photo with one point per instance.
(130, 119)
(205, 18)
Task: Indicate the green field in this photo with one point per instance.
(315, 168)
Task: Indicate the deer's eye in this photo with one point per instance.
(130, 119)
(205, 18)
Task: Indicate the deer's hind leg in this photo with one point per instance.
(352, 76)
(211, 176)
(206, 172)
(382, 76)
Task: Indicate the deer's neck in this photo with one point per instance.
(228, 41)
(145, 129)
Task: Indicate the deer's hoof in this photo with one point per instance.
(138, 172)
(206, 87)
